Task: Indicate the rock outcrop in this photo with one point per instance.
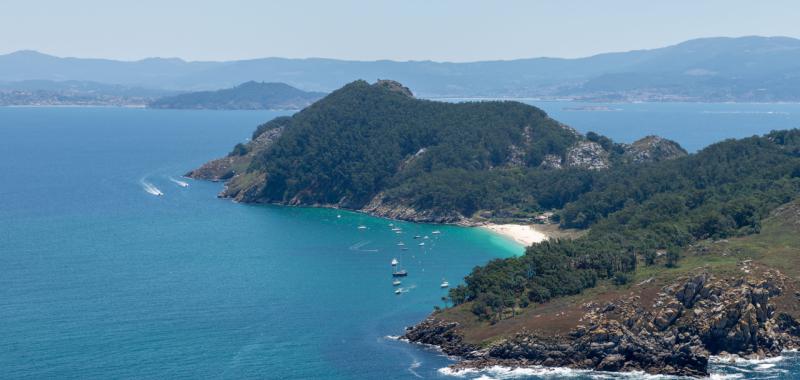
(587, 155)
(690, 320)
(227, 168)
(394, 86)
(652, 149)
(381, 207)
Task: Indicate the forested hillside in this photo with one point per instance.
(246, 96)
(644, 215)
(376, 148)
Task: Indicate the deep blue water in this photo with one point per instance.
(100, 279)
(693, 125)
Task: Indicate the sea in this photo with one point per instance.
(114, 266)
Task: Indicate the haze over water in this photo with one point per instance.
(100, 277)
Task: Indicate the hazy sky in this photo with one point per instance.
(452, 30)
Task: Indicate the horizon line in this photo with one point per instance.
(396, 60)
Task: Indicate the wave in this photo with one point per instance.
(151, 189)
(502, 373)
(179, 182)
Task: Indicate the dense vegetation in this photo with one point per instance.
(495, 159)
(642, 215)
(335, 152)
(246, 96)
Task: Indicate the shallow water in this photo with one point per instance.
(100, 277)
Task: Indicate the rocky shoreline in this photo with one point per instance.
(687, 323)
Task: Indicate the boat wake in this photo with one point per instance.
(412, 368)
(151, 189)
(357, 247)
(179, 182)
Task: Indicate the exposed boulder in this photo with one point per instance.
(551, 161)
(587, 155)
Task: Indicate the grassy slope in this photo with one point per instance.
(777, 246)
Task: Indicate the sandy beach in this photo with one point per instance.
(523, 234)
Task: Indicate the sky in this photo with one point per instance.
(439, 30)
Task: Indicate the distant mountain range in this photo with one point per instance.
(246, 96)
(761, 69)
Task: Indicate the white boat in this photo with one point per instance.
(401, 244)
(362, 227)
(338, 215)
(425, 237)
(397, 229)
(395, 262)
(391, 224)
(417, 236)
(421, 244)
(444, 284)
(398, 232)
(398, 291)
(396, 282)
(436, 232)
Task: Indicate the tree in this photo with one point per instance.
(673, 254)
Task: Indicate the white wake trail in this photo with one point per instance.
(151, 189)
(179, 182)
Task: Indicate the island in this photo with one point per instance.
(246, 96)
(675, 257)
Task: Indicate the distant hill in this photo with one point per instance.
(246, 96)
(760, 69)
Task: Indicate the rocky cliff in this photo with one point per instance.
(688, 321)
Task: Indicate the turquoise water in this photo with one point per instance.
(101, 279)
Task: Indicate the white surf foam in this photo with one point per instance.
(504, 373)
(738, 360)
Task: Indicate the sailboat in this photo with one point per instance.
(398, 273)
(395, 262)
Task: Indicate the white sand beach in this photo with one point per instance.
(523, 234)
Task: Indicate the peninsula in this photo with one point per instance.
(679, 256)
